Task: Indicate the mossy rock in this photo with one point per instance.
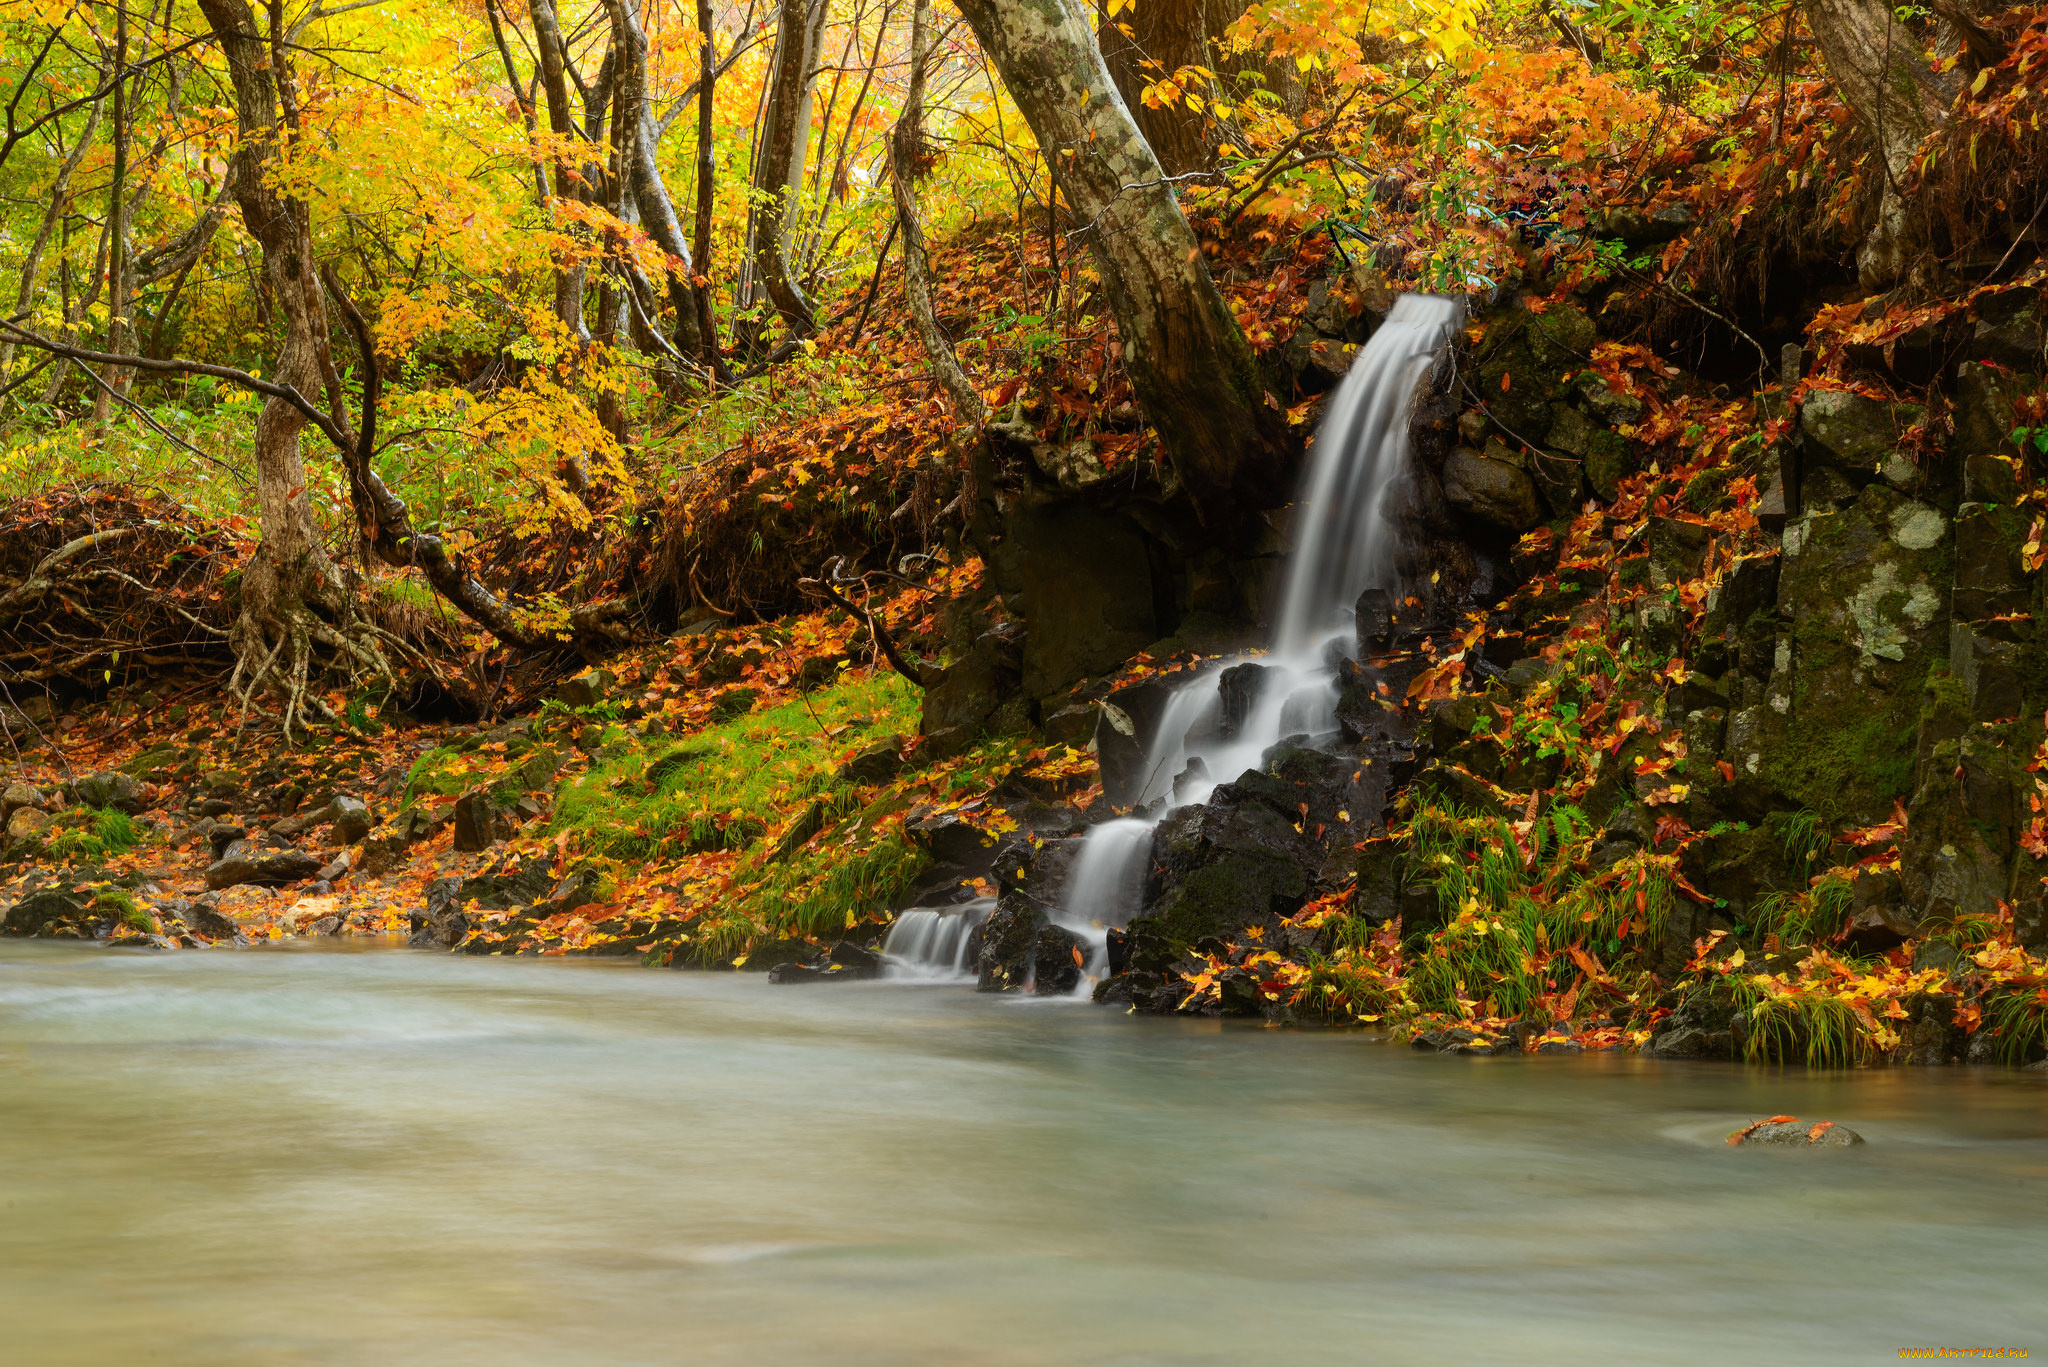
(1523, 360)
(1609, 461)
(1866, 588)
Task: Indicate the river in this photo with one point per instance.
(353, 1156)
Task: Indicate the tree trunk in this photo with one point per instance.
(554, 83)
(1877, 67)
(1188, 361)
(293, 594)
(696, 326)
(1163, 37)
(785, 139)
(905, 148)
(59, 196)
(118, 283)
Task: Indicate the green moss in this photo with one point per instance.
(1708, 490)
(89, 834)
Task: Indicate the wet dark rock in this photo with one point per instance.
(1803, 1134)
(1382, 869)
(1056, 961)
(1071, 725)
(1238, 993)
(855, 960)
(443, 923)
(878, 763)
(587, 689)
(1492, 491)
(1702, 1025)
(1128, 721)
(1193, 774)
(1082, 576)
(34, 912)
(245, 861)
(1851, 431)
(1238, 688)
(351, 818)
(1677, 550)
(1877, 929)
(1459, 1040)
(208, 921)
(220, 836)
(958, 847)
(1003, 946)
(1374, 616)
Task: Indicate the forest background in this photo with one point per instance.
(372, 367)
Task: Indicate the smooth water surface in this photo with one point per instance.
(285, 1157)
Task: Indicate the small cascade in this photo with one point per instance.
(930, 944)
(1105, 887)
(1225, 718)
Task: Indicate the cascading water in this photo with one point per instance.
(931, 944)
(1209, 733)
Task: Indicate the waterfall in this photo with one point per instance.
(1209, 733)
(931, 944)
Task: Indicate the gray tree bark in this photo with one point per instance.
(778, 171)
(1876, 65)
(59, 199)
(1188, 361)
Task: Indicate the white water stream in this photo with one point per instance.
(1343, 546)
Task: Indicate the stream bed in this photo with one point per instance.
(360, 1156)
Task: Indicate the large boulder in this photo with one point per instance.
(351, 818)
(246, 861)
(1866, 592)
(1852, 432)
(38, 909)
(1492, 491)
(444, 923)
(110, 788)
(1082, 578)
(1127, 723)
(1003, 948)
(1255, 850)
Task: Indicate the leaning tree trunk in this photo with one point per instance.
(1878, 68)
(1188, 361)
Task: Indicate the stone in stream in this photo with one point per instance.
(1056, 961)
(1784, 1131)
(32, 913)
(209, 921)
(244, 861)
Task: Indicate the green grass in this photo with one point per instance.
(725, 786)
(85, 834)
(1814, 1028)
(1509, 921)
(1815, 916)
